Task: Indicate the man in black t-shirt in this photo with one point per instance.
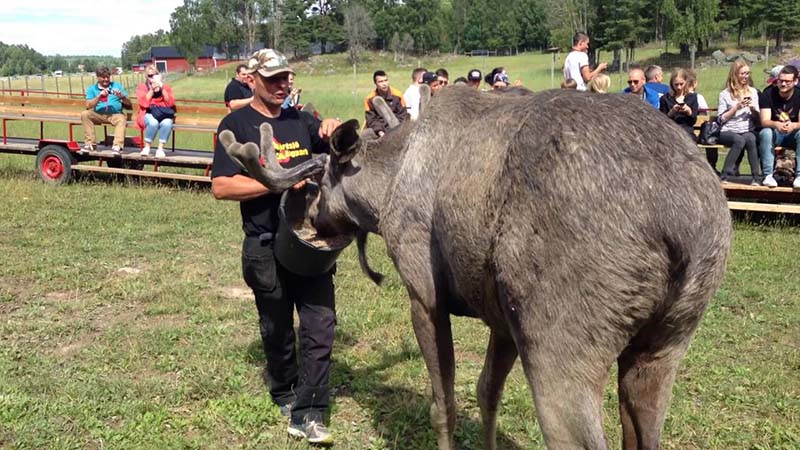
(301, 390)
(238, 92)
(779, 106)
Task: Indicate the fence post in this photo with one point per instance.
(58, 92)
(83, 88)
(27, 87)
(69, 81)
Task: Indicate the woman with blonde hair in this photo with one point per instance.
(738, 113)
(600, 83)
(156, 110)
(680, 104)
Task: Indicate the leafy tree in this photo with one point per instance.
(297, 35)
(693, 22)
(360, 30)
(780, 19)
(137, 46)
(191, 27)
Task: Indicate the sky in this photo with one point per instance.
(81, 27)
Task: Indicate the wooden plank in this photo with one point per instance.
(781, 208)
(764, 189)
(80, 104)
(142, 173)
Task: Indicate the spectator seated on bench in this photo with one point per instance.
(679, 104)
(738, 112)
(156, 111)
(779, 117)
(104, 102)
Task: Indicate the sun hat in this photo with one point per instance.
(268, 63)
(773, 74)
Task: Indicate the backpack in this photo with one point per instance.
(709, 132)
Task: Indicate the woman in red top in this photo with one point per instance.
(156, 111)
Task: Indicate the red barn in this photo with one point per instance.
(210, 59)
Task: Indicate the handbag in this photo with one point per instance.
(161, 112)
(709, 132)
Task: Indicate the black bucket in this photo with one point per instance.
(295, 254)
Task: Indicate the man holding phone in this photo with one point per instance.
(104, 102)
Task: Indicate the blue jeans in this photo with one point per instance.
(768, 139)
(152, 126)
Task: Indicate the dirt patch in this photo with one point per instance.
(236, 292)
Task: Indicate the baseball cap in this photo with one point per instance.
(428, 77)
(773, 74)
(268, 63)
(474, 75)
(500, 76)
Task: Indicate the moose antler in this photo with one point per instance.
(385, 112)
(424, 97)
(272, 175)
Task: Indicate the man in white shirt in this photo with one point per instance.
(576, 66)
(411, 95)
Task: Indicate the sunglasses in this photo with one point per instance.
(150, 75)
(634, 81)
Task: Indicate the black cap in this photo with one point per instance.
(428, 77)
(474, 75)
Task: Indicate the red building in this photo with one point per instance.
(169, 59)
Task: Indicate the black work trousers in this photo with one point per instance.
(738, 142)
(278, 293)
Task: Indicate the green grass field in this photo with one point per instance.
(124, 323)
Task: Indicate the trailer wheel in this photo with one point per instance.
(54, 164)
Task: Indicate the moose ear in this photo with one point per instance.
(345, 141)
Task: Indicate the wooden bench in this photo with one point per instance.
(196, 118)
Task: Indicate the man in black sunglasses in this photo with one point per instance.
(636, 86)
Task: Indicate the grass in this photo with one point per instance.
(124, 323)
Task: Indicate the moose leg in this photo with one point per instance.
(435, 339)
(567, 388)
(500, 356)
(645, 387)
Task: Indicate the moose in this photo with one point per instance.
(582, 229)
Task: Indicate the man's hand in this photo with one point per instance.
(327, 126)
(601, 67)
(785, 128)
(300, 185)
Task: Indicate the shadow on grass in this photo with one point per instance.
(401, 415)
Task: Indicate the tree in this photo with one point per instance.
(780, 19)
(693, 22)
(360, 30)
(137, 46)
(191, 28)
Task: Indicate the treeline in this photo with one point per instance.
(429, 26)
(23, 60)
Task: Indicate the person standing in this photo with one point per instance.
(156, 111)
(300, 389)
(238, 92)
(576, 65)
(104, 102)
(411, 95)
(392, 97)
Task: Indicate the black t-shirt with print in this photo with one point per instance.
(295, 137)
(771, 99)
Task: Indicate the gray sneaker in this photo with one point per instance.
(312, 431)
(769, 181)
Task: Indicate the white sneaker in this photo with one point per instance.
(769, 181)
(160, 153)
(86, 149)
(796, 183)
(145, 151)
(115, 150)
